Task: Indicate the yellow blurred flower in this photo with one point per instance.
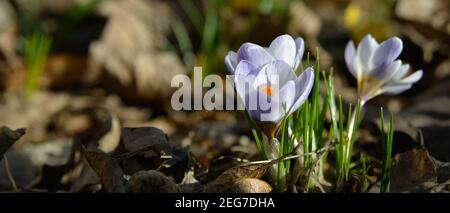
(352, 15)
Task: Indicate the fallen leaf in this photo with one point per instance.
(228, 179)
(136, 139)
(103, 130)
(178, 165)
(87, 178)
(8, 137)
(250, 185)
(151, 181)
(411, 169)
(110, 173)
(142, 148)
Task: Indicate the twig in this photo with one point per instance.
(292, 156)
(8, 173)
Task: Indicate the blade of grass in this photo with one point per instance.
(193, 13)
(37, 47)
(184, 42)
(210, 27)
(339, 149)
(349, 149)
(259, 144)
(332, 102)
(387, 157)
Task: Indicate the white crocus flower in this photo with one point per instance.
(377, 69)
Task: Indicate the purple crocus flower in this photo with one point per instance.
(283, 48)
(272, 91)
(377, 69)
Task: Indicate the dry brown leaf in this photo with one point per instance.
(142, 148)
(411, 169)
(103, 130)
(110, 173)
(87, 178)
(8, 137)
(151, 181)
(250, 185)
(135, 139)
(226, 181)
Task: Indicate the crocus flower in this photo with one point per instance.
(283, 48)
(272, 91)
(377, 69)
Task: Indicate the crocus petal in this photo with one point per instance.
(413, 78)
(300, 46)
(231, 61)
(303, 86)
(387, 71)
(250, 100)
(287, 95)
(276, 72)
(272, 112)
(283, 48)
(395, 89)
(365, 52)
(387, 52)
(244, 78)
(349, 58)
(401, 72)
(254, 53)
(244, 86)
(245, 68)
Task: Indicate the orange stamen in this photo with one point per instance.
(267, 90)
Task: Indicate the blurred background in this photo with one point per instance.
(73, 71)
